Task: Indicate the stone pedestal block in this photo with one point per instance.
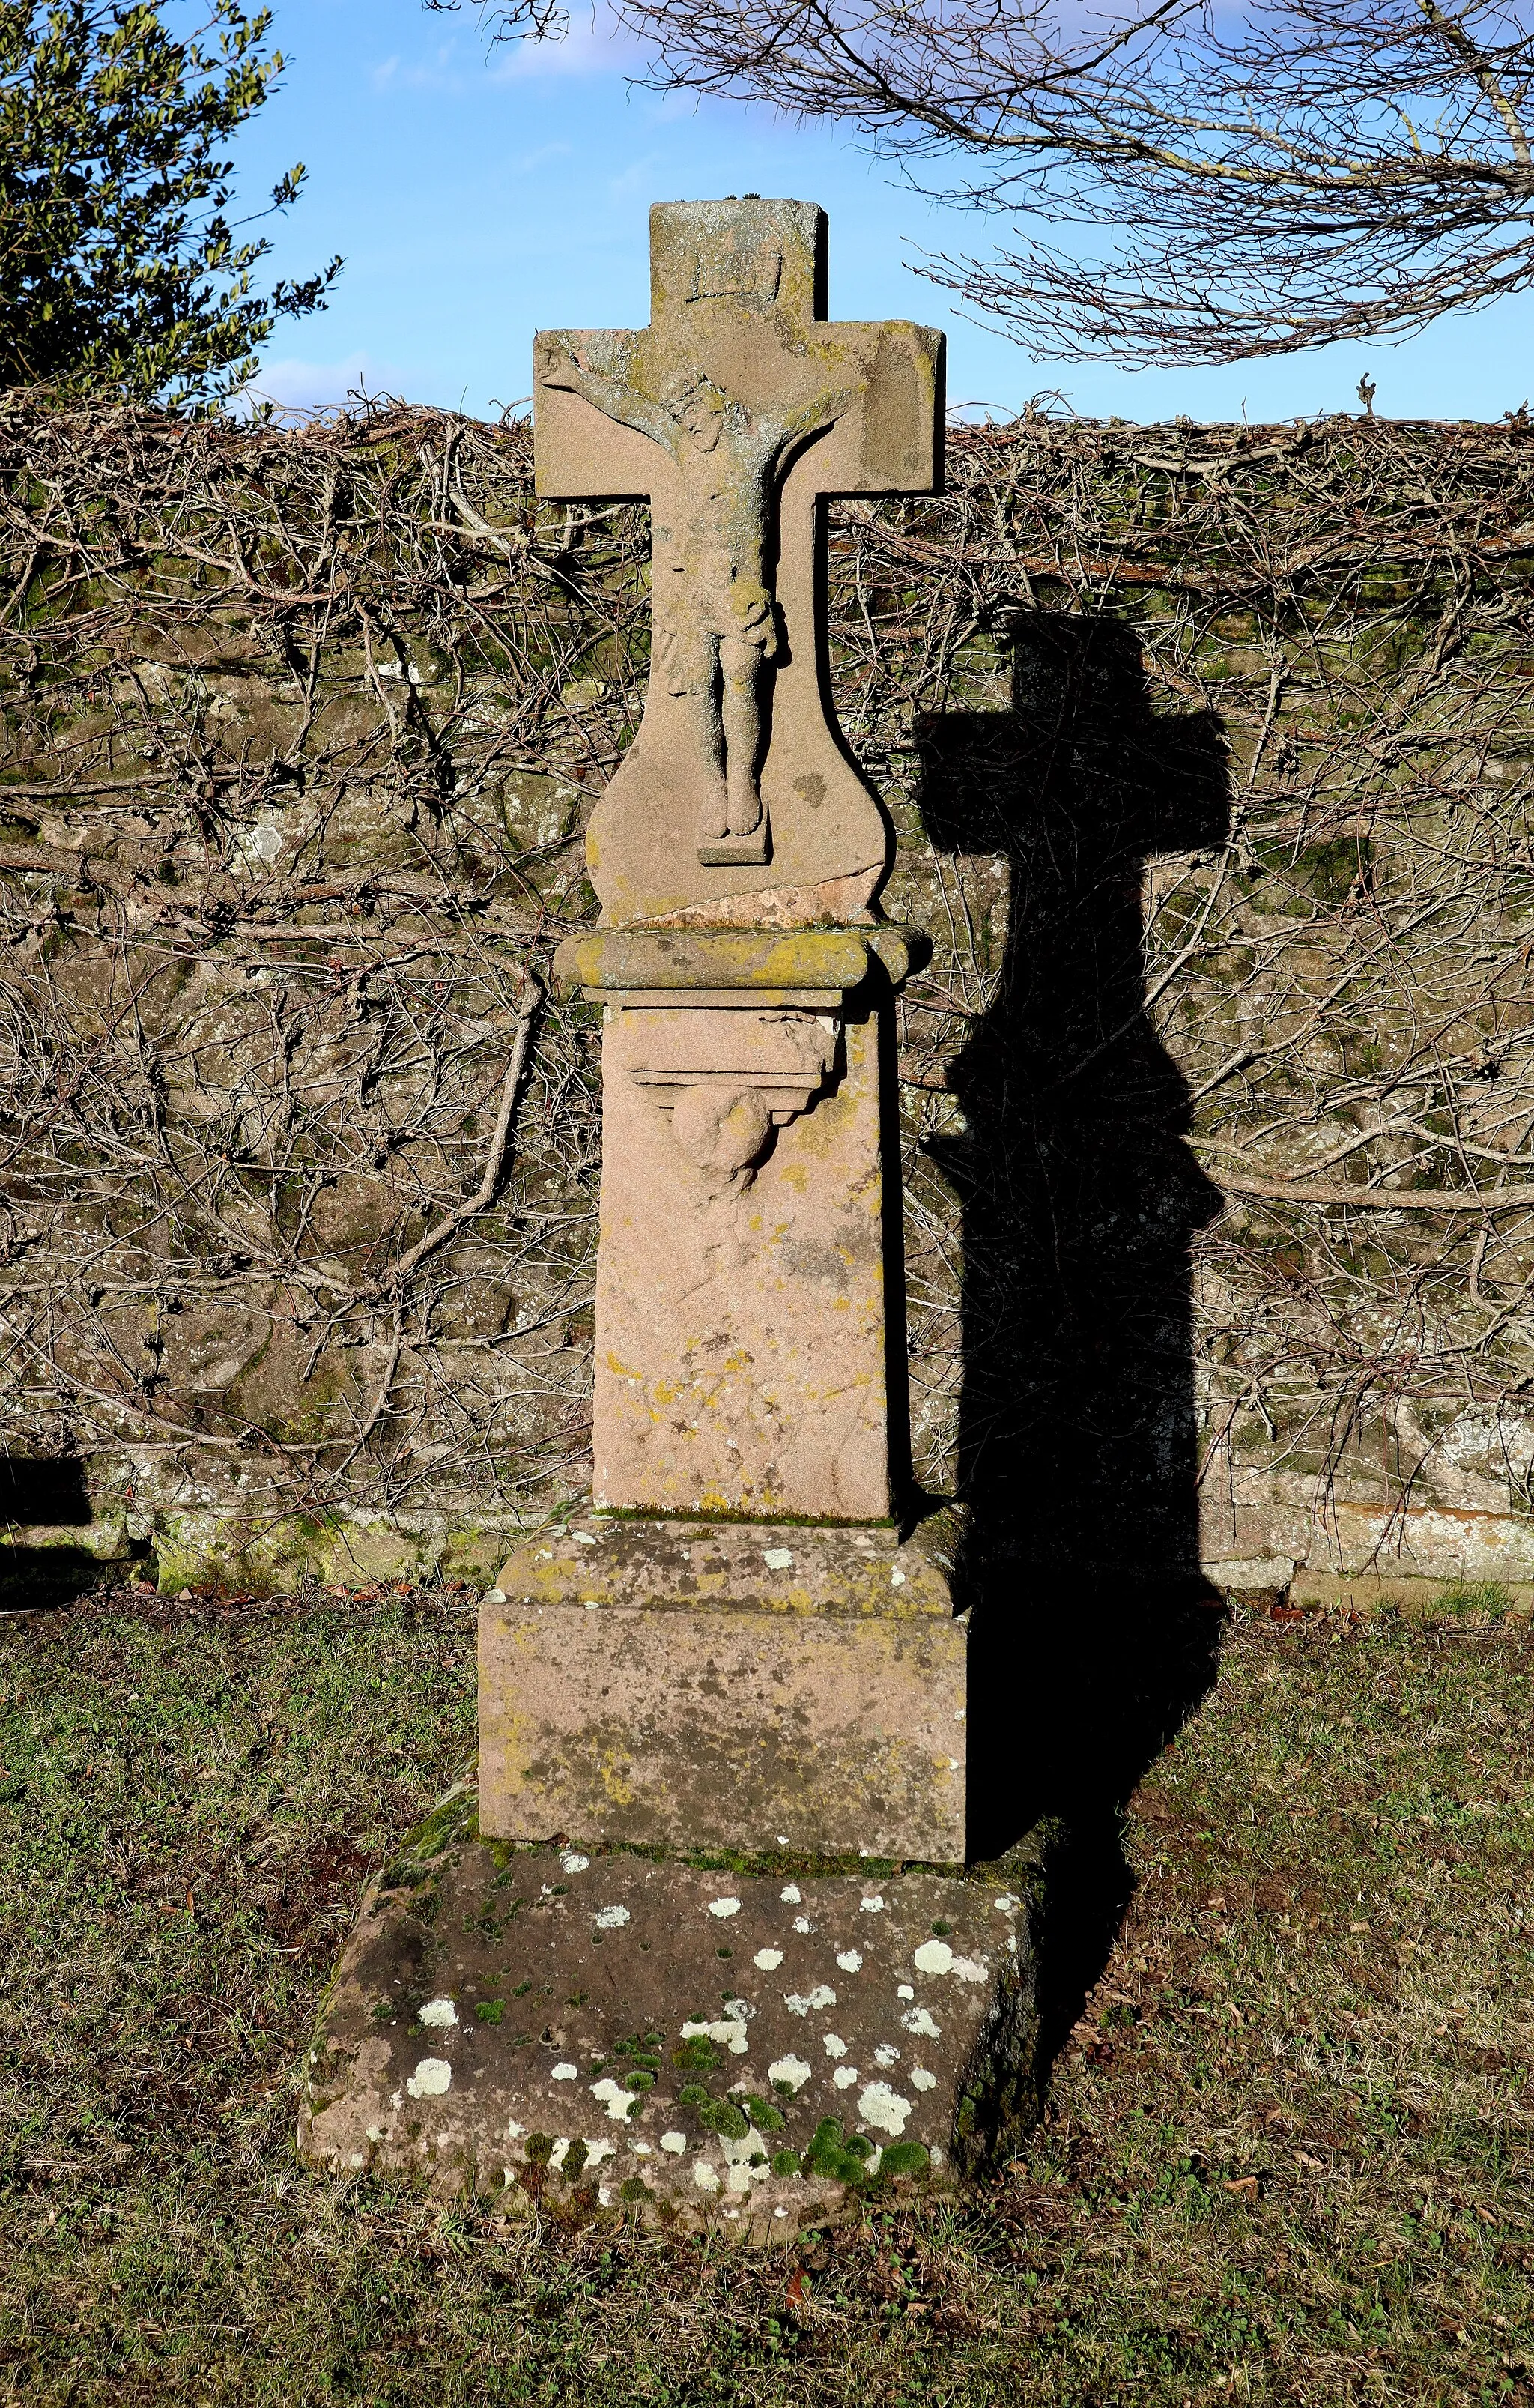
(741, 1353)
(728, 1685)
(749, 2054)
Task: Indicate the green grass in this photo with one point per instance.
(1486, 1600)
(1289, 2155)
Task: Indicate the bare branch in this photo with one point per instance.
(1312, 170)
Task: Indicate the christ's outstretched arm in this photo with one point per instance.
(614, 397)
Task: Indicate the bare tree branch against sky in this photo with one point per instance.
(474, 187)
(532, 21)
(1269, 180)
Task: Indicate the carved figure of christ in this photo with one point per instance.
(715, 613)
(733, 413)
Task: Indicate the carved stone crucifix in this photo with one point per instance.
(735, 412)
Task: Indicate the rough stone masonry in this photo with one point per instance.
(741, 1646)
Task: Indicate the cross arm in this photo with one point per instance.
(888, 398)
(577, 457)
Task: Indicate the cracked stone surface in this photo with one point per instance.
(606, 2032)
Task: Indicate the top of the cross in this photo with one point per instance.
(713, 258)
(739, 338)
(733, 412)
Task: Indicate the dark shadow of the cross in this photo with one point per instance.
(1092, 1635)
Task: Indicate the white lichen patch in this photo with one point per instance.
(613, 2096)
(574, 1863)
(597, 2150)
(968, 1969)
(432, 2078)
(897, 1577)
(584, 1539)
(675, 2143)
(934, 1956)
(922, 2080)
(833, 2044)
(904, 1990)
(705, 2177)
(610, 1918)
(884, 2108)
(844, 2076)
(873, 1905)
(802, 1923)
(558, 2154)
(1007, 1903)
(767, 1960)
(791, 2070)
(513, 2130)
(729, 2029)
(809, 2003)
(748, 2153)
(778, 1559)
(920, 2023)
(791, 1894)
(851, 1961)
(263, 842)
(438, 2011)
(885, 2055)
(723, 1906)
(565, 2073)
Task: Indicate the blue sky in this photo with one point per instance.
(475, 200)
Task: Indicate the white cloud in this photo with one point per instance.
(532, 160)
(320, 384)
(635, 178)
(594, 45)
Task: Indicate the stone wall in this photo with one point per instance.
(1210, 752)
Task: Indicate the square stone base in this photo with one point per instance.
(726, 1685)
(613, 2034)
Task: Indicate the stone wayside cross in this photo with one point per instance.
(739, 1645)
(735, 412)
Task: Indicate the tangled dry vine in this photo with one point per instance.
(1210, 752)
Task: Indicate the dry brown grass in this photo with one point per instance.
(1287, 2155)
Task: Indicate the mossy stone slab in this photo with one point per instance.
(610, 2033)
